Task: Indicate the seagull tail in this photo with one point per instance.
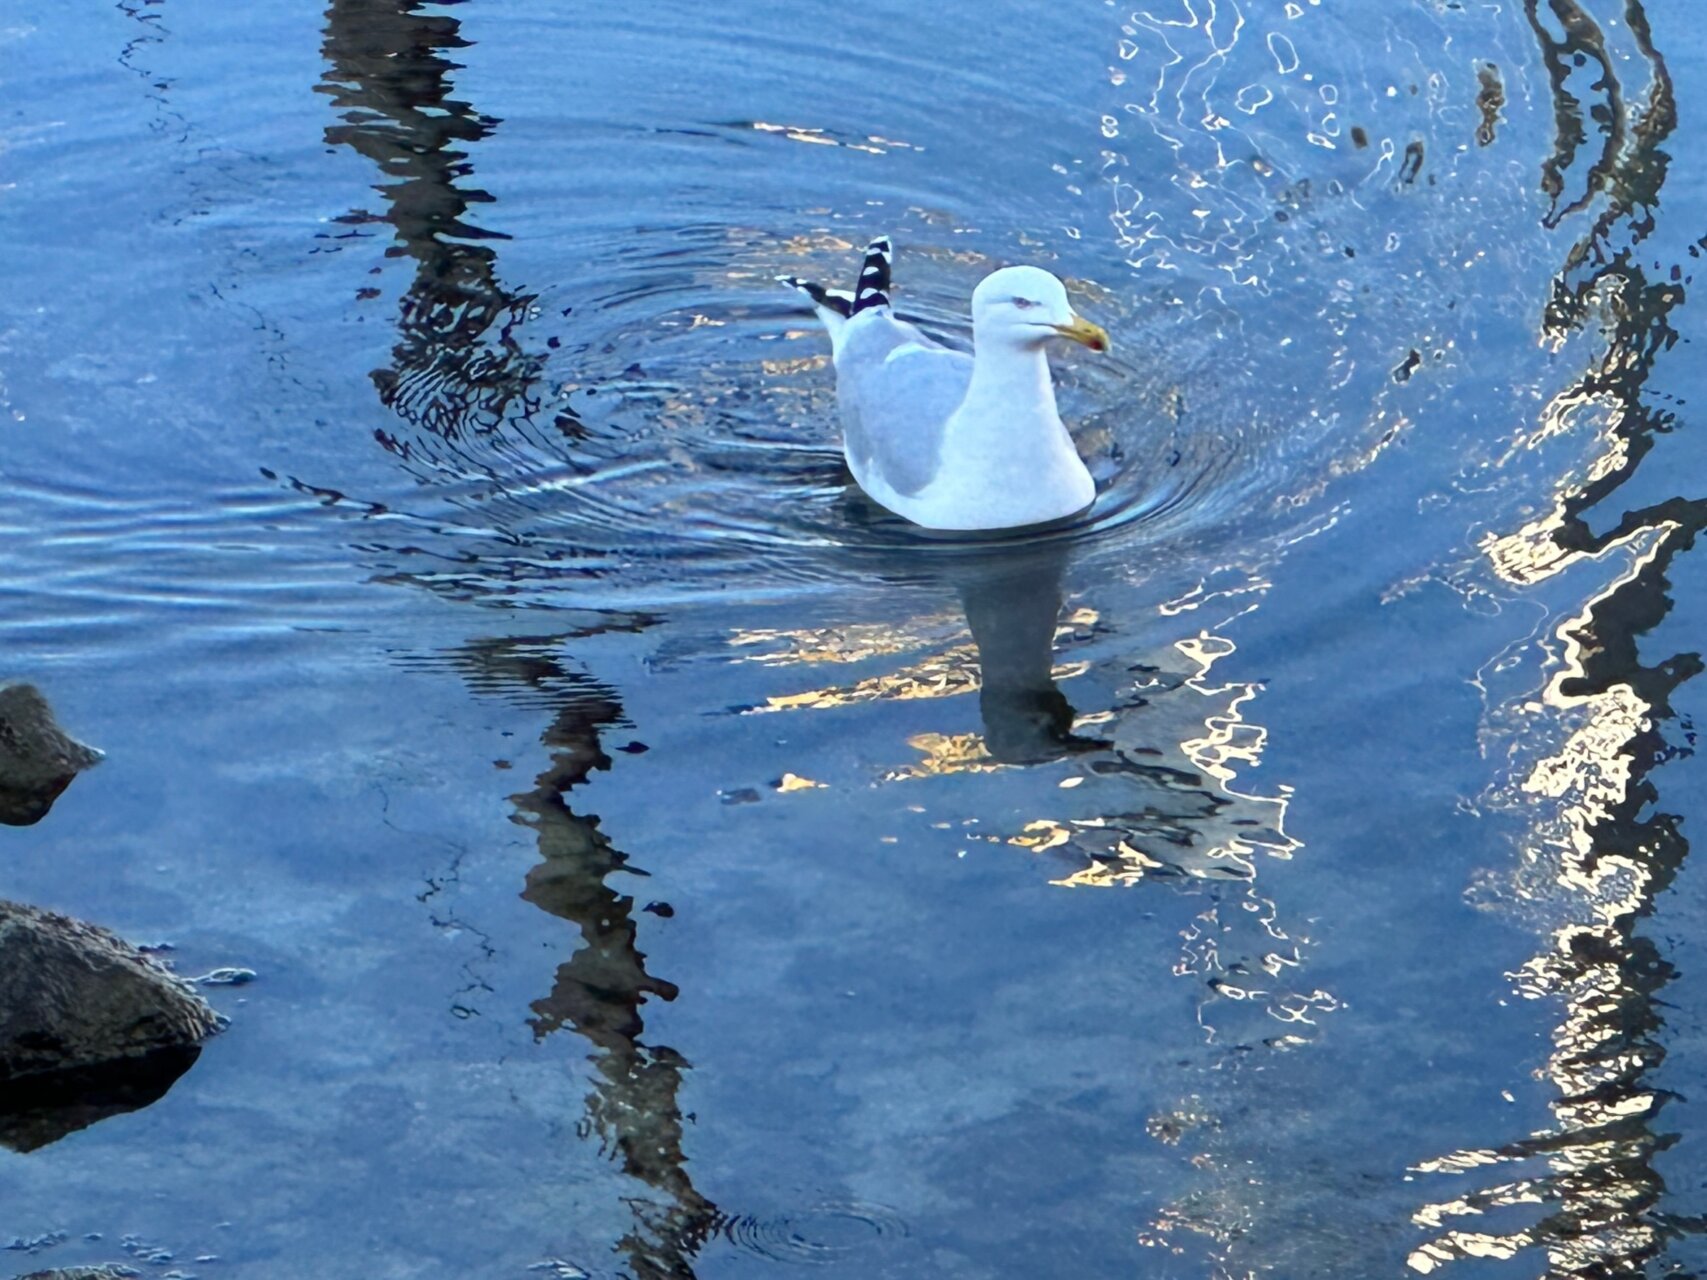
(873, 288)
(836, 301)
(833, 306)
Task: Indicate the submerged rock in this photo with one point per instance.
(112, 1272)
(89, 1026)
(38, 759)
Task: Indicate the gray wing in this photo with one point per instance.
(897, 390)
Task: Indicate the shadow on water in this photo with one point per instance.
(1604, 847)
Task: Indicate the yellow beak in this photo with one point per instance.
(1084, 332)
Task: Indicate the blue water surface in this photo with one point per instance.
(656, 861)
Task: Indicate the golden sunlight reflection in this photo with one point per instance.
(942, 675)
(1155, 783)
(1586, 737)
(1593, 863)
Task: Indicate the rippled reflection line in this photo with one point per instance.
(151, 19)
(600, 992)
(1632, 167)
(1600, 833)
(459, 368)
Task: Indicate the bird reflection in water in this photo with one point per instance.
(1154, 794)
(1602, 846)
(1013, 608)
(1011, 599)
(601, 991)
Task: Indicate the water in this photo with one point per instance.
(656, 861)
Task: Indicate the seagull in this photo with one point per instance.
(953, 442)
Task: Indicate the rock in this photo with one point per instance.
(89, 1026)
(73, 994)
(38, 759)
(111, 1272)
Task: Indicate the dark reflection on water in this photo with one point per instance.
(43, 1109)
(458, 368)
(465, 391)
(1605, 845)
(459, 373)
(601, 991)
(1012, 603)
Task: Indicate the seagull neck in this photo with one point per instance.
(1009, 377)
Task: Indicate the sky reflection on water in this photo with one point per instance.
(658, 863)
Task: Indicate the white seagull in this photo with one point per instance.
(949, 441)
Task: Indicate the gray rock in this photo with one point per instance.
(38, 759)
(89, 1026)
(112, 1272)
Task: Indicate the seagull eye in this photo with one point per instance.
(1022, 303)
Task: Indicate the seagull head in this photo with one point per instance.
(1025, 307)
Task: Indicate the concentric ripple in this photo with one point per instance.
(672, 422)
(651, 417)
(548, 396)
(832, 1231)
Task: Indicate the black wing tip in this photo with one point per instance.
(830, 300)
(874, 282)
